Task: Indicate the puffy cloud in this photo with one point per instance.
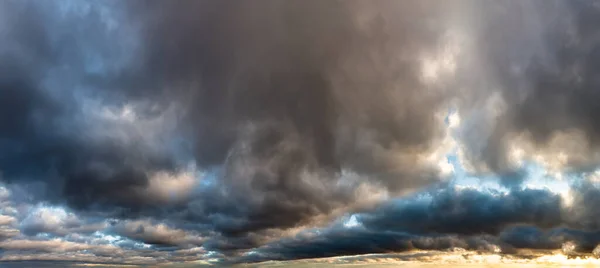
(48, 220)
(7, 220)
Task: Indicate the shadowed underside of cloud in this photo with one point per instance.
(150, 132)
(100, 118)
(488, 221)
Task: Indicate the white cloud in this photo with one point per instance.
(167, 187)
(56, 220)
(7, 220)
(48, 219)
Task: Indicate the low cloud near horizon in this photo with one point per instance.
(204, 132)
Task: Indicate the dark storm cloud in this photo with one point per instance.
(297, 111)
(470, 219)
(468, 212)
(43, 66)
(282, 104)
(280, 97)
(355, 242)
(535, 238)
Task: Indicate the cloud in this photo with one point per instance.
(57, 221)
(8, 232)
(6, 220)
(478, 220)
(46, 131)
(110, 126)
(158, 234)
(150, 131)
(468, 211)
(55, 245)
(536, 60)
(88, 252)
(171, 187)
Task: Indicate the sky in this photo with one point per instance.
(310, 133)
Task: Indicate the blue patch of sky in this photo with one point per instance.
(210, 177)
(536, 176)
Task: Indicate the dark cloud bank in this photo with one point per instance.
(487, 221)
(238, 131)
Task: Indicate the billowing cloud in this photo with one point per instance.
(151, 132)
(536, 62)
(115, 132)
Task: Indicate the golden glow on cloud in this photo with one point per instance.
(456, 258)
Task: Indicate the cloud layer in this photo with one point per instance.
(153, 132)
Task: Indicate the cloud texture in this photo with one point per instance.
(154, 132)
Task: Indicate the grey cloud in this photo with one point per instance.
(468, 212)
(538, 58)
(41, 101)
(469, 219)
(7, 232)
(297, 111)
(156, 233)
(41, 245)
(75, 252)
(361, 241)
(280, 104)
(41, 264)
(471, 211)
(330, 95)
(56, 221)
